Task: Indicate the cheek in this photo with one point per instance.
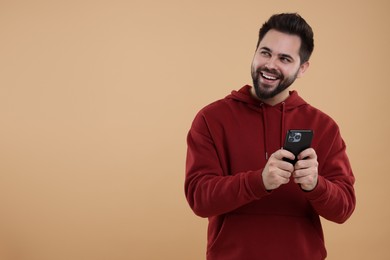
(289, 71)
(253, 67)
(256, 63)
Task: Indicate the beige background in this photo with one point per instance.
(96, 98)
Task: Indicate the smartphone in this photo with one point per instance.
(296, 141)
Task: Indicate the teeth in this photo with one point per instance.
(269, 77)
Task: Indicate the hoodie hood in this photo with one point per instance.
(244, 95)
(293, 102)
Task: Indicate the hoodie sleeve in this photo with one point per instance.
(334, 196)
(209, 189)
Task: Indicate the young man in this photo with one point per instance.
(260, 206)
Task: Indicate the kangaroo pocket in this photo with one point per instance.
(245, 236)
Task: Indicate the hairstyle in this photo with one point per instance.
(294, 24)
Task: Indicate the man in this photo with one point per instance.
(260, 206)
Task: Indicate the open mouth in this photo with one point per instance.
(269, 76)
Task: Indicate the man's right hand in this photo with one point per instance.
(277, 172)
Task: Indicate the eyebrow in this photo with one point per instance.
(283, 55)
(266, 49)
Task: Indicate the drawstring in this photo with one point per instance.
(282, 125)
(265, 130)
(282, 133)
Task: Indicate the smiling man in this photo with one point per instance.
(259, 205)
(275, 69)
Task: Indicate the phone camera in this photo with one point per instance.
(294, 137)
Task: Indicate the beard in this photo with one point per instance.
(265, 91)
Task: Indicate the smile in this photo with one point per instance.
(268, 76)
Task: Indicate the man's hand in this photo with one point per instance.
(277, 172)
(306, 170)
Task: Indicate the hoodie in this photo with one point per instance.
(229, 143)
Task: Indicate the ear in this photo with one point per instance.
(302, 69)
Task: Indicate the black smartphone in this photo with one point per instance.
(296, 141)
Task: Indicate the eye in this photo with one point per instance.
(265, 53)
(285, 59)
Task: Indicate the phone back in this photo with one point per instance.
(298, 140)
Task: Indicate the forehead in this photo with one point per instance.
(281, 43)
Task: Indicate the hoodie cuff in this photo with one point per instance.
(318, 191)
(256, 184)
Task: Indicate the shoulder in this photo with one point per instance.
(326, 130)
(218, 109)
(211, 113)
(317, 114)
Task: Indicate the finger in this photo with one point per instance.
(285, 174)
(298, 180)
(306, 177)
(300, 174)
(280, 168)
(274, 178)
(275, 165)
(307, 182)
(308, 153)
(280, 154)
(284, 180)
(302, 181)
(306, 164)
(284, 166)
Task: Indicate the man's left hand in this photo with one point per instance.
(306, 170)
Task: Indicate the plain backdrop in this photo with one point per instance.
(96, 98)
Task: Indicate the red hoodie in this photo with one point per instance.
(228, 144)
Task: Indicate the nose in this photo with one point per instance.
(270, 64)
